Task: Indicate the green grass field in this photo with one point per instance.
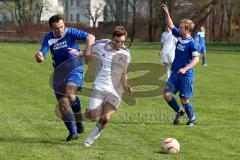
(30, 130)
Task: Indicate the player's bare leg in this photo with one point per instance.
(167, 67)
(174, 105)
(71, 90)
(68, 118)
(107, 112)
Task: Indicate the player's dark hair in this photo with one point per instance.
(54, 19)
(119, 31)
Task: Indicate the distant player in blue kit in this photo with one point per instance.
(182, 76)
(200, 39)
(68, 69)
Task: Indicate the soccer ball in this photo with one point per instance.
(171, 146)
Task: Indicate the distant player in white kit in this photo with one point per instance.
(112, 59)
(167, 50)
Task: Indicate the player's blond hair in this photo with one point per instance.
(202, 29)
(188, 24)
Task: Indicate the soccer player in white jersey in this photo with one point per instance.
(200, 39)
(112, 59)
(167, 50)
(68, 69)
(182, 77)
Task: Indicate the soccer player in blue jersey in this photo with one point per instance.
(68, 69)
(200, 39)
(182, 76)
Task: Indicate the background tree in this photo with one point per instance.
(126, 13)
(221, 18)
(229, 6)
(43, 6)
(8, 6)
(116, 10)
(156, 18)
(133, 4)
(26, 11)
(94, 14)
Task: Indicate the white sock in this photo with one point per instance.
(168, 73)
(168, 70)
(95, 131)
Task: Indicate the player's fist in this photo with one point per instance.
(165, 8)
(39, 57)
(182, 71)
(76, 52)
(128, 88)
(88, 56)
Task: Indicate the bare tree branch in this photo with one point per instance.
(94, 15)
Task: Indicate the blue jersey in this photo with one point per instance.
(201, 38)
(59, 46)
(186, 50)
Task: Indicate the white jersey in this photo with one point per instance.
(169, 44)
(111, 64)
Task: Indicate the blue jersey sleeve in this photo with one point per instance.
(45, 47)
(175, 32)
(194, 49)
(78, 34)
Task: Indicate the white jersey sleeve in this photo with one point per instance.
(98, 44)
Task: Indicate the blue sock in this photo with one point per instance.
(76, 105)
(69, 121)
(189, 110)
(204, 61)
(100, 127)
(173, 103)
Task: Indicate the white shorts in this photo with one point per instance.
(167, 58)
(98, 98)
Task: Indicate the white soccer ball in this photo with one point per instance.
(171, 146)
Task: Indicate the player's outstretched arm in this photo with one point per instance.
(168, 18)
(76, 52)
(128, 88)
(39, 57)
(90, 42)
(125, 85)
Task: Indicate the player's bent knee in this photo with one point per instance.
(71, 97)
(105, 119)
(93, 116)
(185, 100)
(167, 96)
(64, 104)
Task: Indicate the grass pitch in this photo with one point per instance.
(29, 128)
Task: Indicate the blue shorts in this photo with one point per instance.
(180, 83)
(59, 82)
(202, 49)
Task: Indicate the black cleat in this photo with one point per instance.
(71, 137)
(192, 122)
(178, 117)
(80, 127)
